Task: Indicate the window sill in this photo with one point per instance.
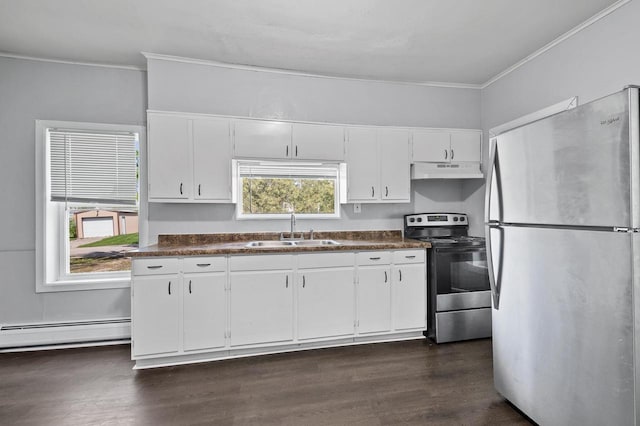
(86, 284)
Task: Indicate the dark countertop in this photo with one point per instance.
(221, 244)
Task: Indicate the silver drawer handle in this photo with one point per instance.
(410, 257)
(154, 267)
(204, 265)
(374, 258)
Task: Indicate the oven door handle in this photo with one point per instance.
(474, 249)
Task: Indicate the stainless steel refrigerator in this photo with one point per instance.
(563, 246)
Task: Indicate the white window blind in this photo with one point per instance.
(93, 166)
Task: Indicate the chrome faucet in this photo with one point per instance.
(293, 225)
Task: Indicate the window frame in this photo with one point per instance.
(339, 191)
(52, 233)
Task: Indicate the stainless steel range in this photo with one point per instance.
(458, 291)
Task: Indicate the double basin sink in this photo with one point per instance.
(294, 243)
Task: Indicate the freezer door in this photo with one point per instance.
(563, 336)
(569, 169)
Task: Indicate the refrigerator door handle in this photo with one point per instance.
(489, 183)
(490, 268)
(494, 168)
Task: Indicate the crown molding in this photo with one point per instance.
(62, 61)
(595, 18)
(218, 64)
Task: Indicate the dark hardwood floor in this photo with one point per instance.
(413, 382)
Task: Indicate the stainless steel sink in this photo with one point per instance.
(313, 243)
(270, 244)
(299, 243)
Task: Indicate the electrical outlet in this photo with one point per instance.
(357, 208)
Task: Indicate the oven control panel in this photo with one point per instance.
(435, 219)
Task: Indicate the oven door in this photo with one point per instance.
(461, 278)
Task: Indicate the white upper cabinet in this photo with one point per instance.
(262, 139)
(212, 159)
(431, 145)
(377, 165)
(189, 158)
(395, 181)
(446, 146)
(318, 142)
(170, 157)
(363, 165)
(289, 141)
(466, 145)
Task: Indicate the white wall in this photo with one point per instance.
(597, 61)
(188, 87)
(31, 90)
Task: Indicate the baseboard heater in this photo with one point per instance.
(67, 333)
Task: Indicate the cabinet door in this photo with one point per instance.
(395, 180)
(363, 165)
(465, 146)
(212, 159)
(431, 146)
(261, 307)
(374, 299)
(170, 160)
(205, 311)
(156, 314)
(318, 142)
(409, 297)
(325, 303)
(262, 139)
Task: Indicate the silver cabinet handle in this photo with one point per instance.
(169, 289)
(385, 276)
(304, 282)
(400, 272)
(452, 153)
(287, 152)
(446, 153)
(199, 185)
(286, 285)
(154, 266)
(180, 188)
(386, 191)
(296, 150)
(189, 286)
(374, 258)
(372, 191)
(203, 265)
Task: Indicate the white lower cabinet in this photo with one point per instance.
(196, 308)
(374, 299)
(261, 307)
(325, 303)
(409, 296)
(155, 315)
(204, 311)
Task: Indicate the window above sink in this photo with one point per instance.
(275, 190)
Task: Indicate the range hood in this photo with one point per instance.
(446, 171)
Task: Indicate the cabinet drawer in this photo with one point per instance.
(264, 262)
(373, 258)
(408, 256)
(155, 266)
(204, 264)
(325, 260)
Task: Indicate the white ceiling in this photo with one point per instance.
(454, 41)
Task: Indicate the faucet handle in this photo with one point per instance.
(311, 234)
